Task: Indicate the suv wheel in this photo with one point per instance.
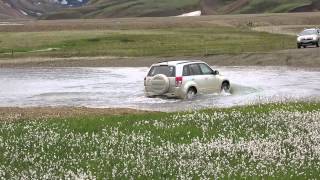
(317, 43)
(191, 93)
(298, 46)
(225, 87)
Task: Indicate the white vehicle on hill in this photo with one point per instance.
(183, 79)
(308, 37)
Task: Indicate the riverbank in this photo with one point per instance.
(35, 113)
(309, 57)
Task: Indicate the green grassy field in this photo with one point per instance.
(273, 141)
(134, 43)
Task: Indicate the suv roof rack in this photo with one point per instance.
(182, 61)
(167, 61)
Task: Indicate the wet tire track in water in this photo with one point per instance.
(123, 87)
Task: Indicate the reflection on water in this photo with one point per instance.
(123, 87)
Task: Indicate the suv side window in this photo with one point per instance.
(195, 69)
(186, 70)
(205, 69)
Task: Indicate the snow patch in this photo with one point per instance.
(64, 2)
(70, 2)
(9, 5)
(194, 13)
(24, 13)
(45, 50)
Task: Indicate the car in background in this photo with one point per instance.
(308, 37)
(183, 79)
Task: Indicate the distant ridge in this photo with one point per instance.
(68, 9)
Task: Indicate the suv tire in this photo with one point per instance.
(225, 87)
(191, 93)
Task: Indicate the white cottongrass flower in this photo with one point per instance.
(283, 142)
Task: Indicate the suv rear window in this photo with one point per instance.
(169, 71)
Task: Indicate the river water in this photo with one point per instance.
(123, 87)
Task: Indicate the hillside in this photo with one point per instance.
(66, 9)
(7, 12)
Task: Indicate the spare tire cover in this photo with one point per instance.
(160, 84)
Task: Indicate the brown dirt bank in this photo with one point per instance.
(309, 57)
(34, 113)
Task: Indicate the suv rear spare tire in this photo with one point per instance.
(160, 84)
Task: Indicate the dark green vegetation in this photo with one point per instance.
(276, 141)
(272, 6)
(138, 43)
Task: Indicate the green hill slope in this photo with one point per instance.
(252, 6)
(59, 9)
(127, 8)
(273, 6)
(136, 8)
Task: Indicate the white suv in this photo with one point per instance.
(183, 79)
(308, 37)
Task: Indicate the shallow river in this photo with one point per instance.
(123, 87)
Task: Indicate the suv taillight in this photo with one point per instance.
(178, 81)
